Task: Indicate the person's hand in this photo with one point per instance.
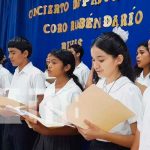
(32, 123)
(92, 132)
(36, 125)
(29, 119)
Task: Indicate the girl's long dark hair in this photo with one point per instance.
(113, 44)
(67, 58)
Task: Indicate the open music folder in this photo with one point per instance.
(11, 105)
(98, 107)
(4, 101)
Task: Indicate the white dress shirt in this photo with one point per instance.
(27, 84)
(145, 126)
(129, 95)
(53, 107)
(144, 80)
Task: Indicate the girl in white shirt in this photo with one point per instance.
(142, 140)
(56, 99)
(111, 61)
(142, 68)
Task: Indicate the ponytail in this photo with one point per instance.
(76, 80)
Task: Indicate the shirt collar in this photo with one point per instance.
(26, 69)
(67, 86)
(142, 76)
(79, 66)
(117, 85)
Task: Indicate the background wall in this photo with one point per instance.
(49, 24)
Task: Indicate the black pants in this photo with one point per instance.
(98, 145)
(18, 137)
(59, 143)
(1, 134)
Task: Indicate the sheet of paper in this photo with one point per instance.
(23, 112)
(9, 105)
(4, 101)
(99, 108)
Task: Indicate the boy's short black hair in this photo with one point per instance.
(1, 54)
(22, 44)
(78, 49)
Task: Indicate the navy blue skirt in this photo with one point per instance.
(18, 137)
(98, 145)
(74, 142)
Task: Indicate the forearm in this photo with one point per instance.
(61, 131)
(39, 100)
(135, 145)
(123, 140)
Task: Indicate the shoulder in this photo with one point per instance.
(4, 72)
(73, 87)
(130, 95)
(35, 70)
(100, 82)
(84, 67)
(127, 85)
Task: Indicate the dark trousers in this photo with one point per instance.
(18, 137)
(1, 134)
(98, 145)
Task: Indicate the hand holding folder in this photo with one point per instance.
(99, 108)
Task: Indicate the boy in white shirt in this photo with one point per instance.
(27, 87)
(81, 70)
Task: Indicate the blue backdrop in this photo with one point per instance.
(42, 21)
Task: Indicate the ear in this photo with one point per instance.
(67, 67)
(78, 54)
(119, 59)
(26, 53)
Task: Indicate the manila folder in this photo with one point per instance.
(99, 108)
